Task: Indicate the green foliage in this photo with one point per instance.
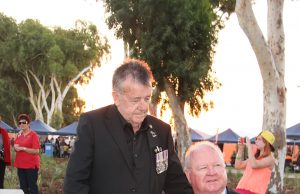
(56, 58)
(12, 96)
(177, 38)
(8, 38)
(292, 185)
(57, 120)
(50, 178)
(224, 6)
(32, 53)
(71, 114)
(52, 173)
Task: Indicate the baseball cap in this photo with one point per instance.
(24, 116)
(269, 137)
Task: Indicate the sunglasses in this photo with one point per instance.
(22, 122)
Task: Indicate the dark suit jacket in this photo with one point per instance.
(100, 163)
(229, 191)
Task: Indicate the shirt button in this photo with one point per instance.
(136, 155)
(133, 190)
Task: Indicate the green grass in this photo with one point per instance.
(51, 175)
(52, 172)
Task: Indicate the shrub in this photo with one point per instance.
(51, 175)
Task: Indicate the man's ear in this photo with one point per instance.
(115, 97)
(187, 173)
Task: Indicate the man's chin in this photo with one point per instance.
(139, 119)
(214, 189)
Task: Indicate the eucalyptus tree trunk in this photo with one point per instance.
(36, 99)
(271, 60)
(153, 109)
(181, 127)
(62, 92)
(154, 102)
(49, 98)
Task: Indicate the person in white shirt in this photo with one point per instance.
(72, 142)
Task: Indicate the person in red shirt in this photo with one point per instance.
(5, 159)
(27, 159)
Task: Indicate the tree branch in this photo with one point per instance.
(72, 81)
(276, 41)
(41, 90)
(248, 23)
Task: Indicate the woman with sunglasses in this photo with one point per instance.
(258, 167)
(27, 159)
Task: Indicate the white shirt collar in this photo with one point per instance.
(225, 191)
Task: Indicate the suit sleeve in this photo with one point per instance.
(80, 163)
(176, 181)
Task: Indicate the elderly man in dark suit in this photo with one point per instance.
(205, 169)
(120, 149)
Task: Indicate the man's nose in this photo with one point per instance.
(211, 170)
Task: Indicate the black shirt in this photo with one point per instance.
(138, 147)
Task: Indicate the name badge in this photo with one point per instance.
(161, 160)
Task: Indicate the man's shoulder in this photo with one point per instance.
(158, 125)
(156, 121)
(98, 112)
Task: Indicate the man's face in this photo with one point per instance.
(133, 102)
(207, 174)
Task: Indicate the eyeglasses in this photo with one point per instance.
(23, 122)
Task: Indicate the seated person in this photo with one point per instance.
(205, 169)
(297, 165)
(288, 161)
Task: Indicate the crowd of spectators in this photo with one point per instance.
(62, 146)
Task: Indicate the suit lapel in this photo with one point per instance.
(115, 129)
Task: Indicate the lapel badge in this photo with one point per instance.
(153, 133)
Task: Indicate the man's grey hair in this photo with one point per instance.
(198, 147)
(137, 69)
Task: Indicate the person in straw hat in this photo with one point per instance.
(258, 167)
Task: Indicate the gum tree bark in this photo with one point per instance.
(183, 132)
(270, 55)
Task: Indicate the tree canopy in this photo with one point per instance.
(270, 55)
(42, 64)
(177, 38)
